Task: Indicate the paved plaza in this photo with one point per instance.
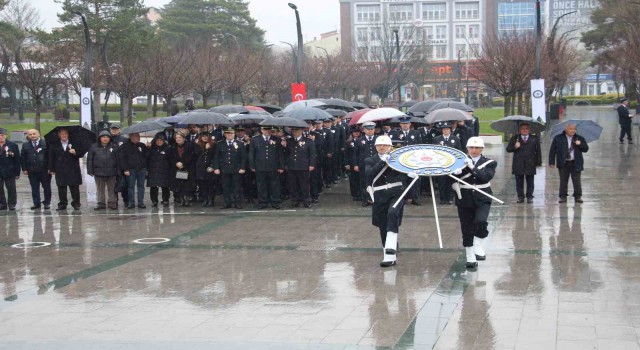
(557, 276)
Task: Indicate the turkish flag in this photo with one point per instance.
(298, 92)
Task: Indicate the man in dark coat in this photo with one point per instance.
(384, 188)
(9, 171)
(300, 160)
(266, 160)
(444, 182)
(132, 157)
(364, 148)
(35, 159)
(64, 163)
(565, 154)
(354, 177)
(459, 130)
(526, 157)
(169, 135)
(473, 206)
(121, 181)
(407, 137)
(328, 152)
(230, 163)
(624, 118)
(160, 170)
(341, 138)
(102, 164)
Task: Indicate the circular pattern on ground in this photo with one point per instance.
(151, 240)
(31, 245)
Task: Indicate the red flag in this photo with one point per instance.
(298, 92)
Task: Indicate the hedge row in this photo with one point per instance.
(596, 100)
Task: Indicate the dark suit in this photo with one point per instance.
(340, 134)
(266, 157)
(560, 156)
(66, 167)
(9, 171)
(230, 159)
(363, 149)
(408, 138)
(624, 118)
(461, 133)
(525, 160)
(473, 207)
(428, 135)
(444, 182)
(35, 161)
(299, 154)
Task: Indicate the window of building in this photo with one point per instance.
(460, 32)
(461, 50)
(474, 31)
(407, 33)
(428, 32)
(441, 51)
(517, 17)
(376, 53)
(467, 10)
(428, 52)
(375, 34)
(401, 12)
(474, 49)
(362, 34)
(441, 32)
(368, 13)
(434, 11)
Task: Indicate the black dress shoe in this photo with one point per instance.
(315, 200)
(226, 206)
(99, 208)
(307, 205)
(76, 207)
(47, 207)
(261, 206)
(12, 207)
(579, 200)
(364, 204)
(481, 257)
(165, 204)
(631, 142)
(520, 200)
(154, 204)
(443, 202)
(415, 202)
(276, 206)
(131, 206)
(471, 265)
(3, 207)
(388, 263)
(294, 205)
(237, 206)
(562, 200)
(34, 207)
(61, 208)
(529, 200)
(141, 206)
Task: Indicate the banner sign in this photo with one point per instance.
(298, 92)
(427, 160)
(538, 105)
(85, 107)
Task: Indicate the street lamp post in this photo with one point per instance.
(300, 45)
(538, 41)
(88, 57)
(395, 32)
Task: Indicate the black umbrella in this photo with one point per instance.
(308, 113)
(228, 109)
(407, 104)
(247, 119)
(358, 105)
(421, 109)
(206, 118)
(269, 108)
(451, 104)
(414, 120)
(145, 126)
(336, 112)
(284, 121)
(336, 103)
(80, 138)
(447, 114)
(511, 124)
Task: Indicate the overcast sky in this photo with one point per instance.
(274, 16)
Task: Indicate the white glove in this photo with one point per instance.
(470, 163)
(384, 157)
(412, 174)
(370, 192)
(456, 188)
(457, 172)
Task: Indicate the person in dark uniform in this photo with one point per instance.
(565, 153)
(354, 177)
(444, 182)
(248, 179)
(459, 130)
(64, 164)
(160, 170)
(317, 135)
(266, 160)
(35, 165)
(624, 118)
(526, 157)
(300, 160)
(121, 181)
(230, 163)
(384, 187)
(194, 131)
(408, 137)
(341, 137)
(132, 158)
(364, 148)
(182, 159)
(473, 206)
(473, 126)
(9, 171)
(204, 154)
(329, 150)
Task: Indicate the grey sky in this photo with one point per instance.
(274, 16)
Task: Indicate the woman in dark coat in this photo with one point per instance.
(204, 151)
(526, 157)
(102, 164)
(182, 159)
(64, 163)
(160, 170)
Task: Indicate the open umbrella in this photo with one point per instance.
(336, 112)
(451, 104)
(336, 103)
(174, 119)
(228, 109)
(302, 104)
(308, 113)
(145, 126)
(284, 121)
(446, 114)
(267, 107)
(246, 119)
(355, 116)
(407, 104)
(358, 105)
(79, 137)
(421, 109)
(511, 124)
(414, 120)
(588, 129)
(377, 114)
(207, 118)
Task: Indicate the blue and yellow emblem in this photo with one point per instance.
(427, 160)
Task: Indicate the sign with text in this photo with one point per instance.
(298, 92)
(577, 14)
(538, 105)
(427, 160)
(85, 107)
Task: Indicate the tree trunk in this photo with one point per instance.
(96, 105)
(123, 108)
(149, 104)
(38, 102)
(233, 98)
(205, 100)
(520, 110)
(155, 105)
(130, 111)
(168, 99)
(506, 106)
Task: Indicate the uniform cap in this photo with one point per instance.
(229, 131)
(405, 119)
(369, 125)
(383, 140)
(115, 126)
(475, 142)
(444, 125)
(623, 99)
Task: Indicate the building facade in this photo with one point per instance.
(327, 44)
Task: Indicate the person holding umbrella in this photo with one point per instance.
(526, 157)
(565, 154)
(204, 153)
(64, 164)
(9, 171)
(102, 164)
(182, 168)
(160, 170)
(35, 161)
(364, 148)
(133, 161)
(230, 163)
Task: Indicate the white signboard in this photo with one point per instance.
(85, 107)
(538, 107)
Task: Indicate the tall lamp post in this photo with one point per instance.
(538, 41)
(395, 32)
(88, 56)
(300, 45)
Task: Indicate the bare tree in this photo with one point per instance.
(171, 70)
(239, 69)
(207, 72)
(274, 77)
(22, 15)
(128, 78)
